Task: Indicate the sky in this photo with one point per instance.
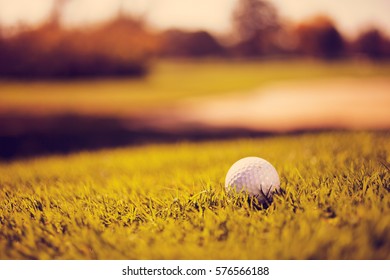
(351, 16)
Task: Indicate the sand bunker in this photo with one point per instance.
(336, 103)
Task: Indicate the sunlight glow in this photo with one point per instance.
(350, 15)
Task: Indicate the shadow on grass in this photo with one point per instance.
(27, 136)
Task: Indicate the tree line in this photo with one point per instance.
(125, 45)
(260, 32)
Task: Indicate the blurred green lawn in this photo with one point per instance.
(168, 82)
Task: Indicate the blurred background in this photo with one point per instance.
(86, 74)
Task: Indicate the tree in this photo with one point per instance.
(56, 12)
(121, 47)
(178, 43)
(320, 38)
(255, 23)
(372, 44)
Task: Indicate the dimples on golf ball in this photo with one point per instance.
(254, 175)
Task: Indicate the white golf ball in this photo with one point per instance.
(255, 176)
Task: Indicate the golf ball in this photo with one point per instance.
(255, 176)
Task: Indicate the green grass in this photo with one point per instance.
(168, 202)
(170, 82)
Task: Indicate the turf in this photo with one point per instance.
(167, 201)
